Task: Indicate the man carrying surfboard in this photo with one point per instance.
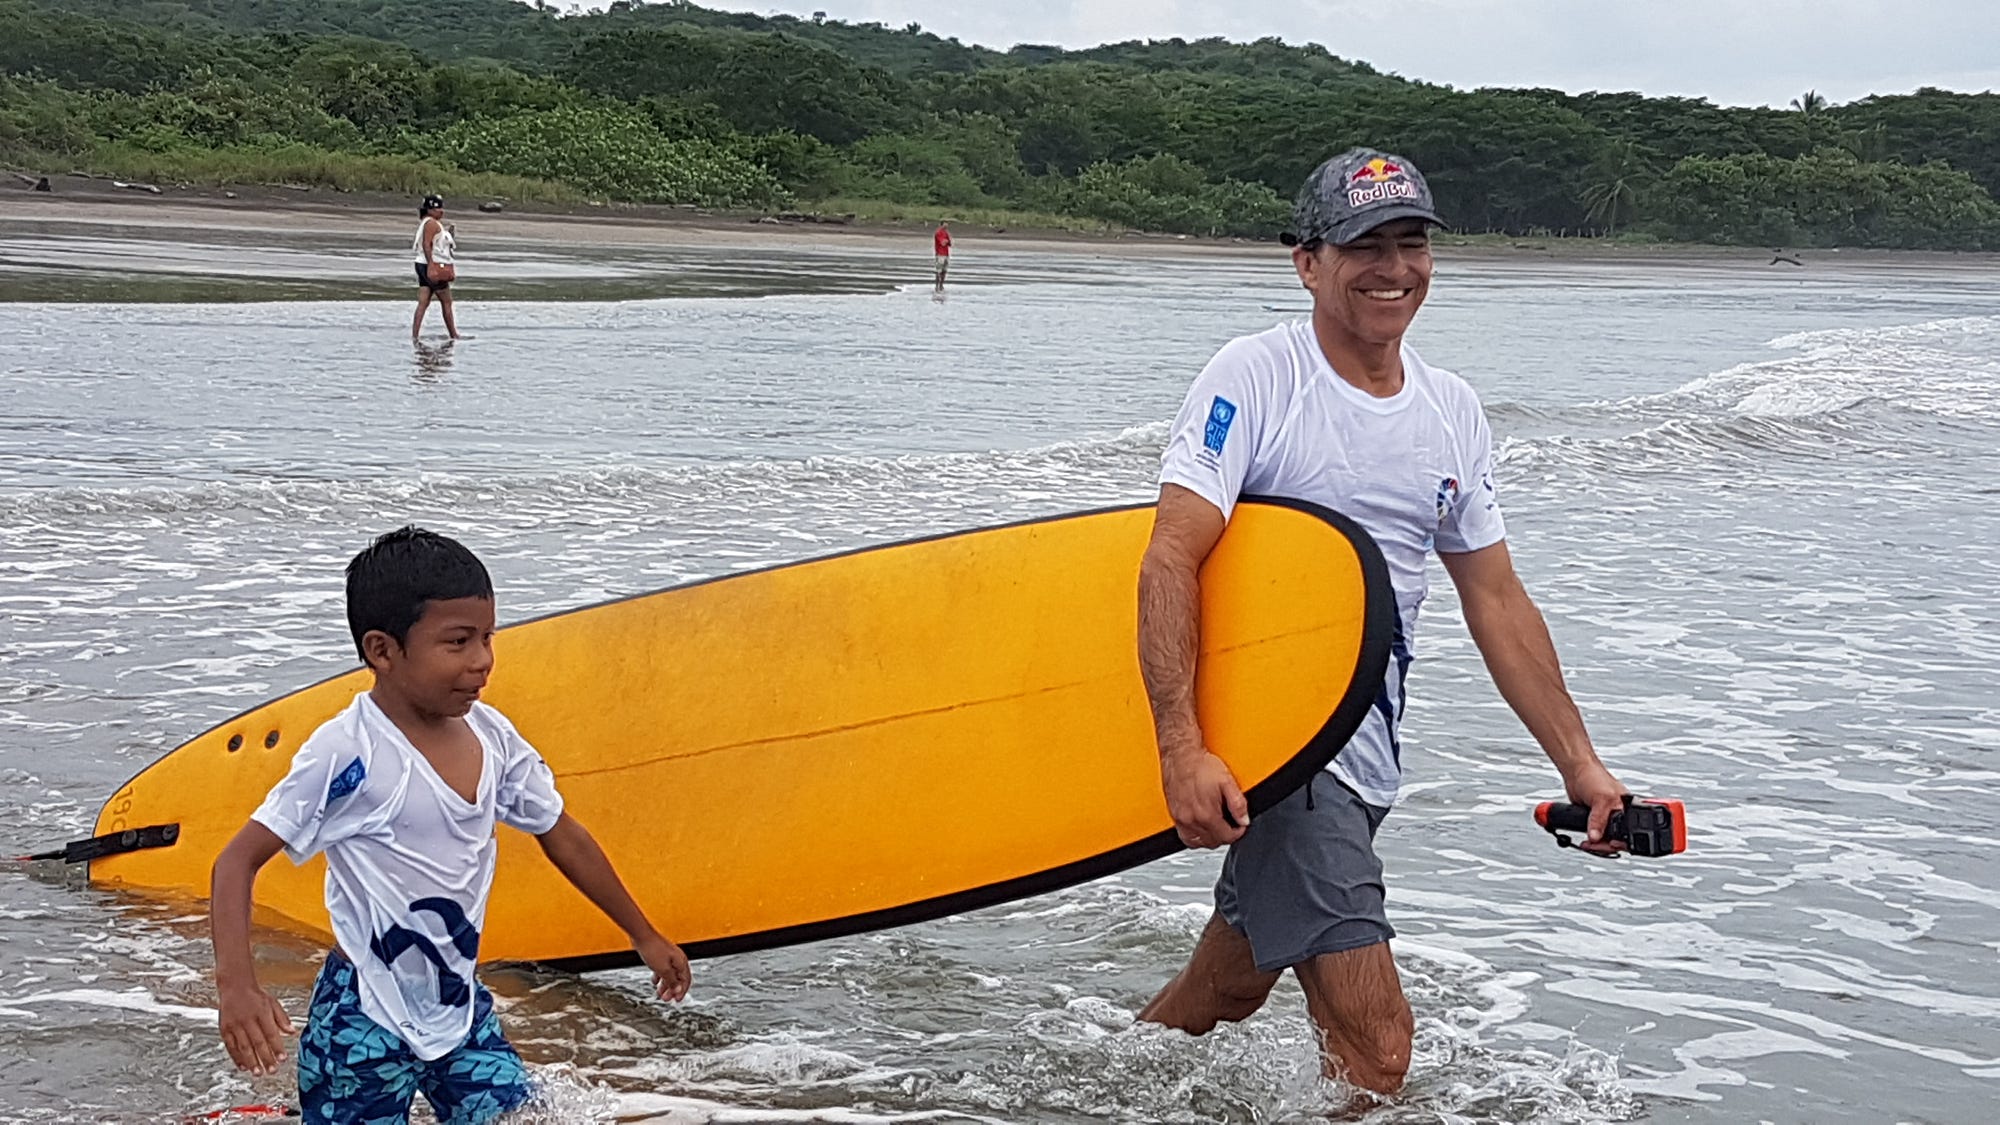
(1336, 410)
(401, 791)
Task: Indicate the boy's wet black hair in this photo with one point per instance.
(389, 582)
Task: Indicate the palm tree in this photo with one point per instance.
(1604, 199)
(1617, 177)
(1869, 145)
(1812, 117)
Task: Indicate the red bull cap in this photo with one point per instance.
(1354, 193)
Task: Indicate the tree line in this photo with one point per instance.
(673, 103)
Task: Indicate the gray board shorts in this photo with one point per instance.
(1304, 880)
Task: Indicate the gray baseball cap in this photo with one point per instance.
(1354, 193)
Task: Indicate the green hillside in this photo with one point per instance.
(670, 102)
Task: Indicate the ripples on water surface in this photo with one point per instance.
(1760, 511)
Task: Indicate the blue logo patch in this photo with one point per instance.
(348, 781)
(1221, 414)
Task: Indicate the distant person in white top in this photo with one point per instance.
(437, 265)
(1338, 411)
(401, 791)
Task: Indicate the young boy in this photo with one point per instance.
(401, 791)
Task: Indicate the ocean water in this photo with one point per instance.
(1759, 508)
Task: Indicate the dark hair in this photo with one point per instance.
(389, 583)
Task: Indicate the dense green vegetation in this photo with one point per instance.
(668, 102)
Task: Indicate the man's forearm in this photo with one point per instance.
(1169, 637)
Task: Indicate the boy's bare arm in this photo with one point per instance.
(254, 1025)
(574, 851)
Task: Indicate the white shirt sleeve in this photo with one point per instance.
(526, 795)
(307, 810)
(1214, 439)
(1475, 521)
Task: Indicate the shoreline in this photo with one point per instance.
(323, 211)
(267, 208)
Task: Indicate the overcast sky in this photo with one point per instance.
(1737, 52)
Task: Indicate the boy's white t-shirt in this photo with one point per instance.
(1268, 416)
(409, 863)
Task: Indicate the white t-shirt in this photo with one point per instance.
(1269, 416)
(443, 244)
(409, 862)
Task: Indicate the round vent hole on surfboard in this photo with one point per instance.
(271, 741)
(235, 743)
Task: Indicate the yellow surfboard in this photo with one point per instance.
(847, 743)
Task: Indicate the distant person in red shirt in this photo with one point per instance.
(942, 240)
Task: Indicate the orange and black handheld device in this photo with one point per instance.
(1646, 828)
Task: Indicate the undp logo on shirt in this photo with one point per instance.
(1221, 414)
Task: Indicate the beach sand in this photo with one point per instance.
(309, 211)
(306, 213)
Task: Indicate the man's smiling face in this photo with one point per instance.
(1373, 286)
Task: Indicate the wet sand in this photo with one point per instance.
(325, 212)
(329, 213)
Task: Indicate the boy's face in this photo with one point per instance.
(442, 666)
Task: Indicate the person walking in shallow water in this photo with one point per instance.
(941, 242)
(1337, 410)
(436, 267)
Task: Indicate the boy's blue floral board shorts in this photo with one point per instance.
(353, 1071)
